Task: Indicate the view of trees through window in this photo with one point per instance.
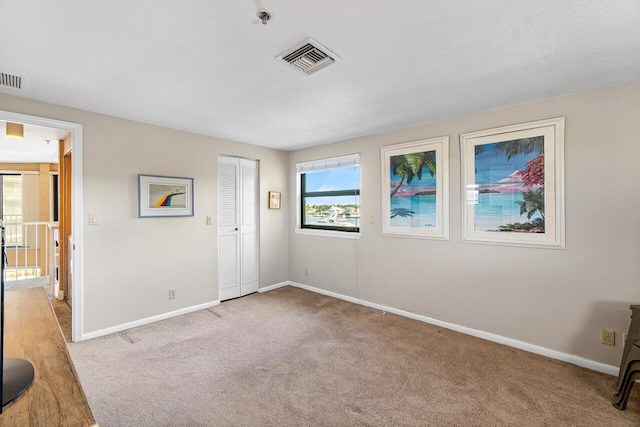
(331, 199)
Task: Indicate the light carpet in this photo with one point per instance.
(294, 358)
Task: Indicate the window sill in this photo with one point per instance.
(328, 233)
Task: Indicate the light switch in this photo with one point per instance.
(372, 219)
(93, 219)
(209, 220)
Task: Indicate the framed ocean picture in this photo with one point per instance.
(415, 189)
(162, 196)
(513, 185)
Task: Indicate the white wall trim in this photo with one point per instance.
(554, 354)
(147, 320)
(272, 287)
(77, 227)
(328, 233)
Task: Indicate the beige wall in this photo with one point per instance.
(557, 299)
(130, 263)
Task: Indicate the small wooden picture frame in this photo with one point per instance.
(274, 199)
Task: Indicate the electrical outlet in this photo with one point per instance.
(608, 337)
(306, 272)
(172, 294)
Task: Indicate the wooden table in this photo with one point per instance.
(31, 332)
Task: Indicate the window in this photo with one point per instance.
(11, 207)
(11, 193)
(330, 194)
(54, 197)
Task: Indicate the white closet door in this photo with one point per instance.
(237, 227)
(249, 227)
(228, 228)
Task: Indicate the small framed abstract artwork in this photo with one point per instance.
(274, 199)
(513, 185)
(415, 189)
(164, 196)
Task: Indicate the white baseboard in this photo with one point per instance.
(272, 287)
(147, 320)
(554, 354)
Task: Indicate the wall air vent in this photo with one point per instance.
(10, 81)
(308, 57)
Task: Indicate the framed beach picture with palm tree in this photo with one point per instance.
(162, 196)
(513, 185)
(415, 189)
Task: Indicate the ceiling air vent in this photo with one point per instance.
(10, 81)
(308, 57)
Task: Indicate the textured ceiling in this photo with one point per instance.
(207, 66)
(39, 145)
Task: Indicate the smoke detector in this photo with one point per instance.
(308, 57)
(264, 16)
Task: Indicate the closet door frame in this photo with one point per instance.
(238, 231)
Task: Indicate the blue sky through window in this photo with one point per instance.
(333, 180)
(336, 179)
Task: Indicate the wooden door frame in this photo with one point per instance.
(65, 228)
(77, 313)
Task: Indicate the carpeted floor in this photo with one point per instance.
(294, 358)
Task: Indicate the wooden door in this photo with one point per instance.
(228, 228)
(248, 227)
(65, 158)
(237, 227)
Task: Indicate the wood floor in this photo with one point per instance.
(63, 313)
(61, 308)
(55, 398)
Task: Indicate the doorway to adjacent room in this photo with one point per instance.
(39, 209)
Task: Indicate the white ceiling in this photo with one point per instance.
(39, 145)
(207, 66)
